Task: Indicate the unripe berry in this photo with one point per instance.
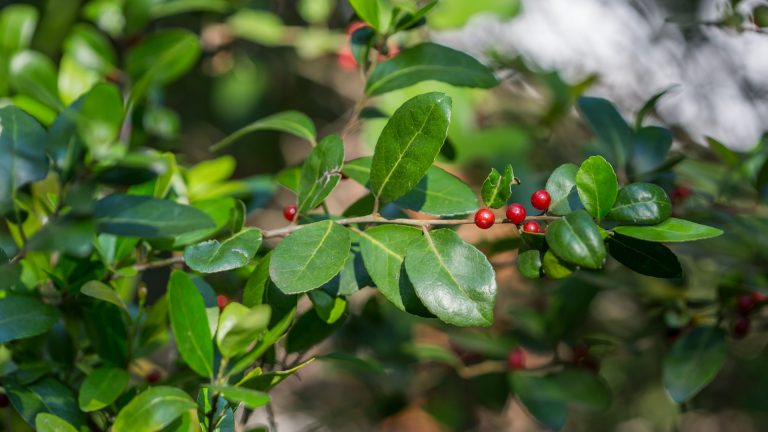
(745, 304)
(516, 213)
(516, 359)
(289, 212)
(741, 328)
(532, 227)
(4, 401)
(541, 199)
(484, 218)
(222, 301)
(153, 376)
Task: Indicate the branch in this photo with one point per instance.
(176, 259)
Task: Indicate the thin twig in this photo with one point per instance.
(271, 418)
(176, 259)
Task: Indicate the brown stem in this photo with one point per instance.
(176, 259)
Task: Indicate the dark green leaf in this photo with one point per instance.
(693, 362)
(34, 75)
(190, 323)
(146, 217)
(576, 239)
(409, 20)
(45, 422)
(761, 182)
(250, 398)
(47, 395)
(259, 380)
(429, 61)
(651, 146)
(554, 267)
(497, 188)
(648, 258)
(308, 331)
(561, 186)
(213, 256)
(409, 144)
(103, 292)
(22, 317)
(292, 122)
(452, 278)
(106, 329)
(102, 387)
(529, 264)
(650, 105)
(240, 327)
(22, 153)
(310, 257)
(597, 186)
(641, 204)
(65, 234)
(320, 173)
(360, 43)
(153, 409)
(671, 230)
(613, 133)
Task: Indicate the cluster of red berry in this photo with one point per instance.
(745, 305)
(540, 200)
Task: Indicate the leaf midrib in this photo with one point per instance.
(312, 256)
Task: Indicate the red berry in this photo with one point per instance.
(153, 376)
(222, 301)
(516, 359)
(541, 199)
(4, 401)
(484, 218)
(532, 227)
(289, 212)
(759, 297)
(741, 328)
(745, 304)
(679, 193)
(516, 214)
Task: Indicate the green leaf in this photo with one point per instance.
(561, 186)
(100, 117)
(46, 395)
(310, 257)
(384, 248)
(22, 153)
(240, 327)
(65, 234)
(252, 399)
(45, 422)
(452, 278)
(90, 49)
(308, 331)
(258, 380)
(409, 144)
(724, 153)
(153, 409)
(648, 258)
(368, 11)
(429, 61)
(102, 387)
(17, 26)
(176, 7)
(34, 74)
(22, 317)
(213, 256)
(290, 178)
(329, 308)
(641, 204)
(650, 105)
(226, 214)
(190, 323)
(613, 133)
(671, 230)
(497, 188)
(576, 239)
(693, 362)
(146, 217)
(103, 292)
(651, 146)
(292, 122)
(554, 267)
(409, 20)
(529, 264)
(270, 338)
(597, 186)
(320, 173)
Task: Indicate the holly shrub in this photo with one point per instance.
(118, 250)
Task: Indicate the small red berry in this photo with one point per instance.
(759, 297)
(680, 193)
(745, 304)
(516, 359)
(222, 301)
(541, 199)
(532, 227)
(4, 401)
(516, 214)
(153, 376)
(484, 218)
(741, 328)
(289, 212)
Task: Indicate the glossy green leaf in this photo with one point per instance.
(310, 257)
(102, 387)
(409, 144)
(561, 186)
(641, 204)
(576, 239)
(90, 49)
(452, 278)
(597, 186)
(226, 214)
(329, 308)
(270, 338)
(554, 267)
(350, 279)
(22, 317)
(213, 256)
(175, 7)
(320, 173)
(529, 264)
(146, 217)
(257, 379)
(190, 323)
(46, 395)
(429, 61)
(613, 133)
(103, 292)
(384, 248)
(45, 422)
(693, 362)
(497, 188)
(153, 409)
(240, 327)
(100, 117)
(22, 153)
(34, 74)
(308, 331)
(17, 26)
(290, 178)
(368, 11)
(671, 230)
(292, 122)
(644, 257)
(250, 398)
